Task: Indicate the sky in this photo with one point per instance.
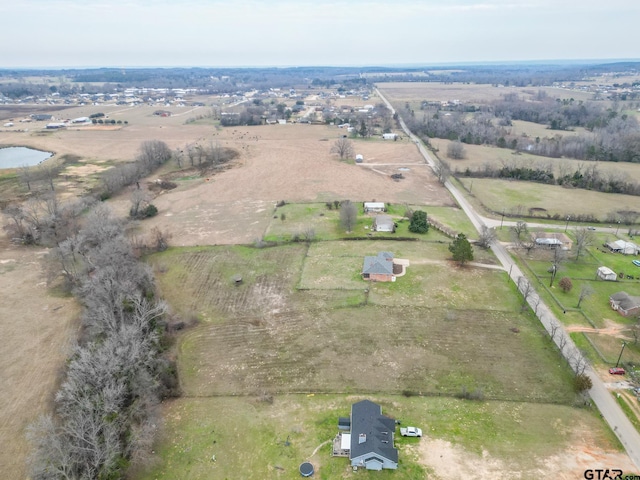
(219, 33)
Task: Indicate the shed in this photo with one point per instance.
(389, 136)
(374, 207)
(384, 223)
(620, 246)
(344, 423)
(605, 273)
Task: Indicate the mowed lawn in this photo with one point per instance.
(438, 330)
(256, 438)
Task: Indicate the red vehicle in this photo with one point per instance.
(617, 371)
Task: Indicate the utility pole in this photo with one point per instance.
(567, 225)
(620, 356)
(502, 220)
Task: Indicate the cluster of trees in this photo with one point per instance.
(103, 416)
(153, 153)
(204, 156)
(584, 176)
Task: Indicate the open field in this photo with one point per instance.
(467, 93)
(477, 440)
(37, 334)
(269, 337)
(292, 163)
(477, 156)
(516, 198)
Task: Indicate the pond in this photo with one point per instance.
(12, 157)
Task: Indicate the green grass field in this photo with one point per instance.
(248, 437)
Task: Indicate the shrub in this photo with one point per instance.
(582, 382)
(565, 284)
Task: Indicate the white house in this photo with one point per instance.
(389, 136)
(605, 273)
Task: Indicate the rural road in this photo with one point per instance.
(609, 408)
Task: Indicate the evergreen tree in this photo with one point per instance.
(419, 222)
(461, 249)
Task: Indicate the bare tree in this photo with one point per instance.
(585, 292)
(48, 172)
(442, 172)
(456, 150)
(26, 175)
(526, 289)
(139, 199)
(343, 147)
(519, 231)
(348, 215)
(558, 258)
(584, 238)
(487, 237)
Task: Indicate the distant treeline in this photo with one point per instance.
(588, 178)
(611, 135)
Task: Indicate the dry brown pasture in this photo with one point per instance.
(467, 93)
(37, 332)
(291, 163)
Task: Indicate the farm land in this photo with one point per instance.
(272, 362)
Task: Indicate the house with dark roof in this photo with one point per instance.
(625, 304)
(370, 442)
(378, 268)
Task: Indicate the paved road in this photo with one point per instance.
(610, 410)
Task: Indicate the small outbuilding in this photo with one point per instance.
(377, 207)
(605, 273)
(620, 246)
(389, 136)
(384, 223)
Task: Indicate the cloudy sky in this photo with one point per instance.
(80, 33)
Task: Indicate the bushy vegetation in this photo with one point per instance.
(419, 223)
(103, 410)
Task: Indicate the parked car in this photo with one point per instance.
(636, 262)
(617, 371)
(410, 432)
(591, 228)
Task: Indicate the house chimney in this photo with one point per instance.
(362, 438)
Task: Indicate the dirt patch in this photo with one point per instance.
(37, 333)
(448, 461)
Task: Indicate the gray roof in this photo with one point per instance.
(625, 301)
(367, 420)
(382, 263)
(384, 220)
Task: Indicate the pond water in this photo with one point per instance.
(12, 157)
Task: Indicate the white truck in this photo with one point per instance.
(410, 432)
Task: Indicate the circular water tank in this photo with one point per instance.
(306, 469)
